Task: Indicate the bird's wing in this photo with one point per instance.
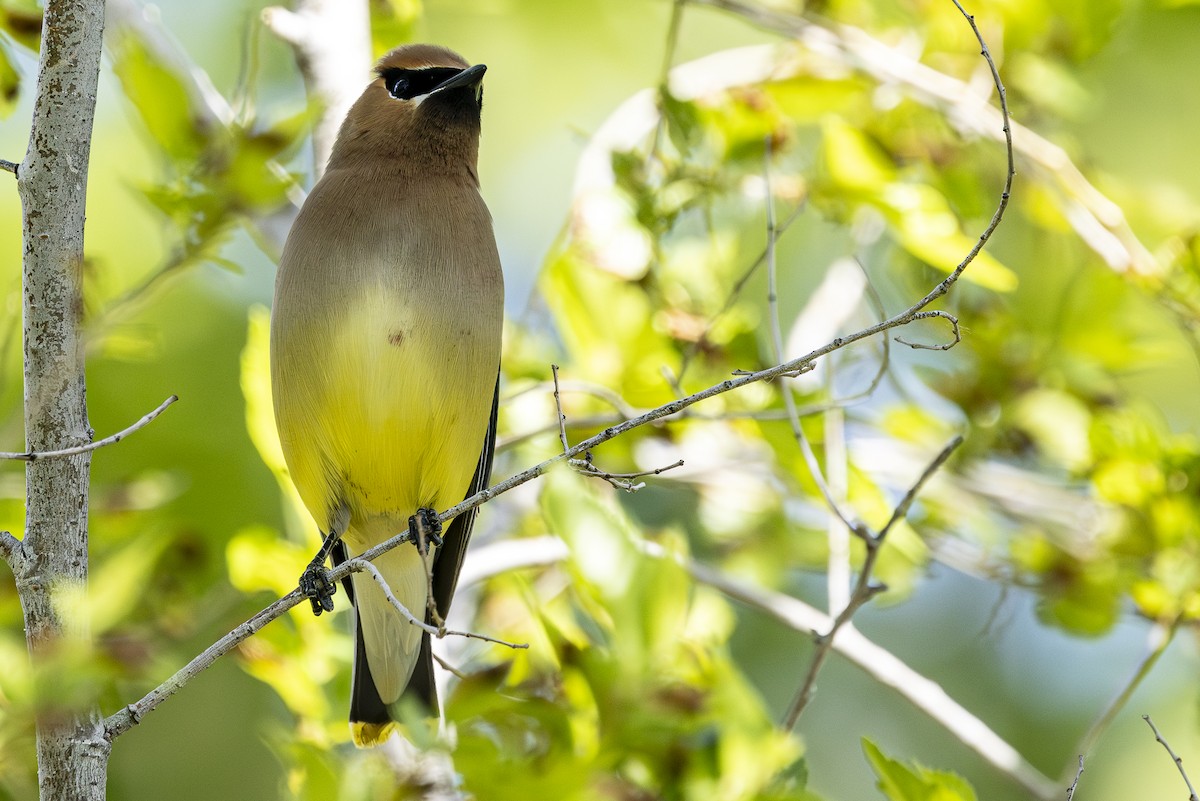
(448, 564)
(454, 542)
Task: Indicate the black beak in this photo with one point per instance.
(471, 76)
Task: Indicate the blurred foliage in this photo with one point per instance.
(1074, 386)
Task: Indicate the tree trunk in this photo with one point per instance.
(51, 563)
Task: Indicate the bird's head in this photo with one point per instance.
(421, 112)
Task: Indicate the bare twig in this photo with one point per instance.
(1178, 761)
(30, 456)
(901, 510)
(954, 329)
(446, 666)
(622, 481)
(864, 589)
(1158, 638)
(10, 166)
(361, 565)
(1075, 783)
(122, 721)
(562, 418)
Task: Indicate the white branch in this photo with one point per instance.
(332, 41)
(879, 663)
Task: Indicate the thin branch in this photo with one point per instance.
(1158, 639)
(901, 510)
(1178, 761)
(30, 456)
(789, 400)
(361, 565)
(122, 721)
(864, 590)
(562, 418)
(446, 666)
(954, 329)
(622, 481)
(125, 719)
(10, 166)
(882, 665)
(1075, 783)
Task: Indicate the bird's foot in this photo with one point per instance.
(317, 587)
(424, 528)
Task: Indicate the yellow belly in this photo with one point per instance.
(385, 411)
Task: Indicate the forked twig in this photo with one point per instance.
(864, 589)
(622, 481)
(1174, 757)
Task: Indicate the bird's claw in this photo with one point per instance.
(317, 587)
(424, 527)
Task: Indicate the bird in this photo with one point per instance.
(385, 361)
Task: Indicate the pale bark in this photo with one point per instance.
(51, 563)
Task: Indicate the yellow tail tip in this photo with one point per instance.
(368, 735)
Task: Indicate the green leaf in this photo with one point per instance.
(10, 79)
(902, 783)
(160, 98)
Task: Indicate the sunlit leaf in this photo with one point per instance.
(160, 98)
(899, 782)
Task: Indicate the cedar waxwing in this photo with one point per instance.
(385, 357)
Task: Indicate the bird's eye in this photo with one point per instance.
(399, 87)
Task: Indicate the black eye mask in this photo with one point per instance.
(405, 84)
